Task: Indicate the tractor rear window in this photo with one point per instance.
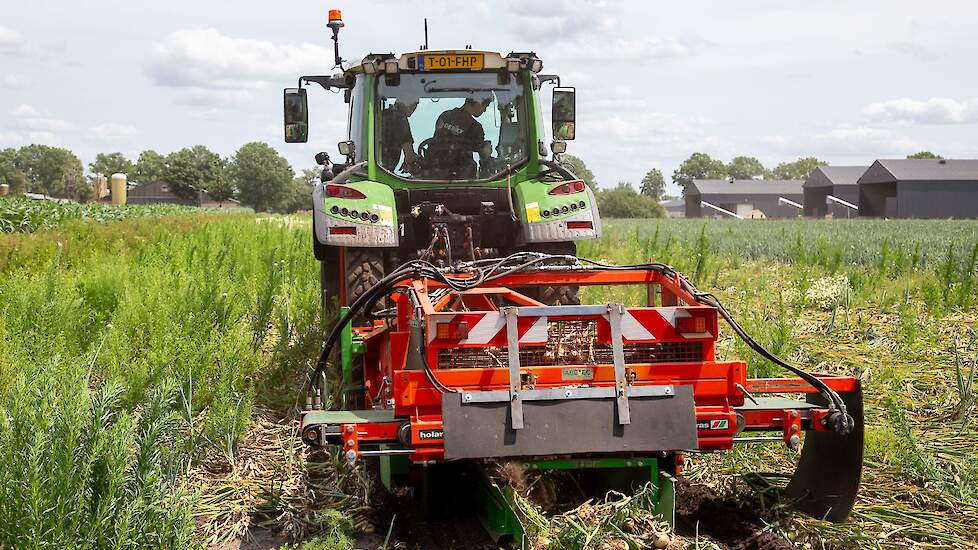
(438, 126)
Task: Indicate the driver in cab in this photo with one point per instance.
(457, 135)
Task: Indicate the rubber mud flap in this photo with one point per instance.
(827, 478)
(569, 426)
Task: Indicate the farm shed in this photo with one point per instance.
(675, 208)
(840, 182)
(744, 198)
(920, 188)
(160, 192)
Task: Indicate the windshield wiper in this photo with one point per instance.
(469, 90)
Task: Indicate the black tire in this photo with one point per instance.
(364, 269)
(554, 295)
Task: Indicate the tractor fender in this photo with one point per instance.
(532, 200)
(377, 231)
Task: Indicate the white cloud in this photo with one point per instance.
(11, 42)
(207, 59)
(29, 119)
(11, 81)
(936, 110)
(863, 141)
(114, 132)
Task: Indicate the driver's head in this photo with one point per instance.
(478, 103)
(407, 103)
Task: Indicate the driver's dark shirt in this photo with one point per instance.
(457, 135)
(395, 131)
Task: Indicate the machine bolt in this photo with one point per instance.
(667, 390)
(794, 414)
(468, 397)
(349, 429)
(794, 442)
(794, 428)
(349, 443)
(568, 393)
(351, 456)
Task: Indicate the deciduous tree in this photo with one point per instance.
(624, 202)
(261, 175)
(149, 167)
(698, 166)
(924, 155)
(111, 163)
(745, 168)
(197, 168)
(797, 170)
(46, 168)
(653, 185)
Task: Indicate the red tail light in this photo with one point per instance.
(568, 187)
(580, 225)
(342, 230)
(343, 192)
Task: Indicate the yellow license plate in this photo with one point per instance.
(450, 62)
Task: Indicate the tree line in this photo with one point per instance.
(256, 174)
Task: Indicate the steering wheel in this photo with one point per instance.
(423, 148)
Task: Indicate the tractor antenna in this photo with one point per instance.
(425, 34)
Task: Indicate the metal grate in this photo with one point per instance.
(571, 343)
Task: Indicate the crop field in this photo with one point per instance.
(26, 216)
(150, 366)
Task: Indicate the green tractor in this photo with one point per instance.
(445, 159)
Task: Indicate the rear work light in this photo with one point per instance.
(343, 192)
(580, 225)
(691, 325)
(342, 230)
(568, 187)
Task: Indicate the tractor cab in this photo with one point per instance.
(445, 158)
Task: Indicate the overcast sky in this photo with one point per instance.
(846, 81)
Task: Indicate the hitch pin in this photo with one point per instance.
(746, 393)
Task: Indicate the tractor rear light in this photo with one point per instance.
(453, 331)
(568, 187)
(343, 192)
(342, 230)
(691, 325)
(580, 225)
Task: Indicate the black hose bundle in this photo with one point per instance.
(480, 272)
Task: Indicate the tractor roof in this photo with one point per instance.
(465, 60)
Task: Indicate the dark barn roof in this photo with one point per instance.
(889, 170)
(825, 176)
(746, 187)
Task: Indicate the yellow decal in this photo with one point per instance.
(533, 212)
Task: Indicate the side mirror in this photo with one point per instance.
(296, 115)
(347, 148)
(563, 113)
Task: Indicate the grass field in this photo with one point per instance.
(147, 365)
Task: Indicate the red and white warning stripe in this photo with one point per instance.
(489, 328)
